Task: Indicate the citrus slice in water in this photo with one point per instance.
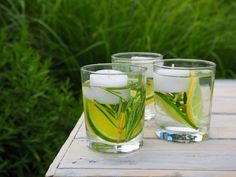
(173, 110)
(194, 100)
(149, 91)
(103, 124)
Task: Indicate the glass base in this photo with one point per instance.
(107, 147)
(181, 134)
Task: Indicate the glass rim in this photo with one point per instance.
(141, 68)
(119, 55)
(210, 65)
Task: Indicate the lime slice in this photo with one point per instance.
(108, 127)
(149, 91)
(194, 100)
(173, 111)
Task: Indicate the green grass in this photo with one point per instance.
(73, 33)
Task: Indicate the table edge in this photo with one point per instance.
(53, 166)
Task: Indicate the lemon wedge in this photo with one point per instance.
(194, 100)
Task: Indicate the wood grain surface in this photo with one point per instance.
(214, 157)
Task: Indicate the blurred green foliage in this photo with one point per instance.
(43, 43)
(36, 113)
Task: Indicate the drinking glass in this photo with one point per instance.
(142, 59)
(114, 102)
(183, 96)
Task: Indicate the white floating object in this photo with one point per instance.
(105, 79)
(108, 78)
(171, 80)
(145, 62)
(87, 93)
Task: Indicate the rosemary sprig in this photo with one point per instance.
(106, 112)
(135, 113)
(126, 115)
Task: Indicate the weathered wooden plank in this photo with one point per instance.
(222, 126)
(226, 92)
(211, 155)
(141, 173)
(63, 150)
(225, 83)
(224, 105)
(225, 88)
(82, 132)
(215, 157)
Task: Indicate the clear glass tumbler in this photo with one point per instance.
(183, 96)
(114, 103)
(142, 59)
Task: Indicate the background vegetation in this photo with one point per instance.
(44, 43)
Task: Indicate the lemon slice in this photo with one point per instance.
(149, 91)
(104, 127)
(194, 100)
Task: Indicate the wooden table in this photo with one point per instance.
(214, 157)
